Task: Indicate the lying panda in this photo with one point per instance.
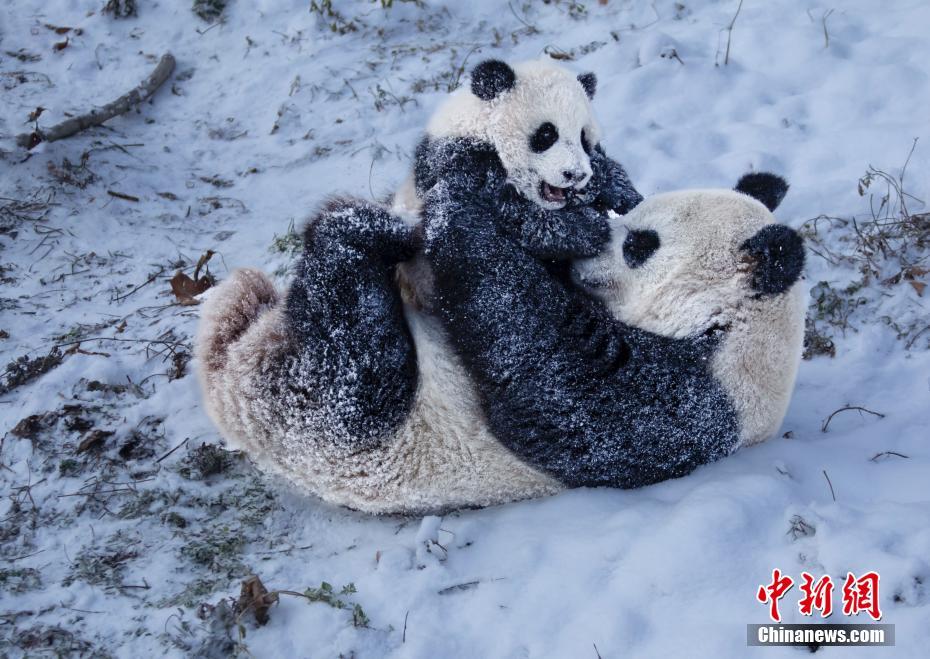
(690, 351)
(362, 399)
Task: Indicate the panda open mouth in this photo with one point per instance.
(553, 194)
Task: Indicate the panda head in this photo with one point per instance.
(539, 119)
(714, 262)
(682, 262)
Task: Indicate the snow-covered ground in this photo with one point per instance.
(126, 543)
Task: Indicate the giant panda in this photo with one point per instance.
(351, 388)
(693, 262)
(632, 388)
(346, 384)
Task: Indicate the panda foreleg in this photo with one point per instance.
(345, 315)
(558, 235)
(610, 185)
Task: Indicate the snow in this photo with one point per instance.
(279, 111)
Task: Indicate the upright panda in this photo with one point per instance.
(351, 390)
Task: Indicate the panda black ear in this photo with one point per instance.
(776, 253)
(491, 78)
(589, 82)
(768, 188)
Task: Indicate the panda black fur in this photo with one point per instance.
(563, 383)
(353, 392)
(361, 399)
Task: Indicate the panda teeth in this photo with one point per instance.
(553, 194)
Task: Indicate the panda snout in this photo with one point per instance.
(576, 177)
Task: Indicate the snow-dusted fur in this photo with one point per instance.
(287, 400)
(542, 92)
(699, 277)
(441, 457)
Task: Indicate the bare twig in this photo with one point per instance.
(832, 493)
(96, 117)
(875, 457)
(186, 439)
(122, 195)
(726, 57)
(826, 35)
(826, 423)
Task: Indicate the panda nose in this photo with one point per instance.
(571, 174)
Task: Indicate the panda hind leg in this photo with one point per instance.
(345, 313)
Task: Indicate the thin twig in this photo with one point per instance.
(875, 457)
(96, 117)
(830, 484)
(726, 57)
(122, 195)
(186, 439)
(826, 35)
(403, 638)
(826, 423)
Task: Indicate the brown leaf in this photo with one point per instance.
(93, 440)
(35, 114)
(256, 597)
(919, 286)
(186, 289)
(202, 261)
(61, 45)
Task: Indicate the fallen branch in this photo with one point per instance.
(122, 195)
(826, 423)
(832, 493)
(98, 116)
(729, 29)
(875, 457)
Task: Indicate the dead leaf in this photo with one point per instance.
(61, 45)
(919, 286)
(201, 262)
(186, 289)
(64, 30)
(93, 440)
(35, 114)
(255, 597)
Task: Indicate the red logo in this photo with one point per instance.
(816, 596)
(859, 595)
(775, 591)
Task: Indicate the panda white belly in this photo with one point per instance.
(441, 457)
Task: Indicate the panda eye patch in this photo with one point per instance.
(639, 245)
(544, 137)
(585, 144)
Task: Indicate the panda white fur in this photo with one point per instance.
(393, 422)
(441, 454)
(694, 275)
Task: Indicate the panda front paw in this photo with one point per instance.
(363, 226)
(610, 187)
(562, 235)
